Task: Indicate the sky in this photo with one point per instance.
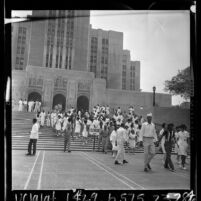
(160, 40)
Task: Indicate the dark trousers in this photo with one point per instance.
(67, 142)
(168, 161)
(99, 142)
(183, 160)
(32, 142)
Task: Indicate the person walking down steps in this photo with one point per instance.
(67, 134)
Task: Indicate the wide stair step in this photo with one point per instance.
(21, 126)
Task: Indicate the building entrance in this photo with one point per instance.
(82, 103)
(59, 102)
(34, 96)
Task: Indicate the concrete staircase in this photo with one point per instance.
(21, 126)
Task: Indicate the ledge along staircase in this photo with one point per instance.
(21, 126)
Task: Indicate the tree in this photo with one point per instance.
(181, 84)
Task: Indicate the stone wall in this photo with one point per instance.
(177, 116)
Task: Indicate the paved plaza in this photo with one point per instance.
(56, 170)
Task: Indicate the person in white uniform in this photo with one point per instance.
(32, 106)
(132, 138)
(48, 119)
(77, 127)
(85, 130)
(20, 108)
(25, 105)
(113, 140)
(42, 118)
(148, 136)
(161, 146)
(58, 125)
(183, 137)
(121, 134)
(29, 106)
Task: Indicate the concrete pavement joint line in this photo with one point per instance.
(107, 171)
(115, 172)
(30, 174)
(41, 170)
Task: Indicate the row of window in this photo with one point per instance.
(22, 30)
(93, 59)
(124, 74)
(19, 63)
(105, 41)
(123, 83)
(104, 60)
(59, 43)
(94, 49)
(20, 50)
(132, 68)
(94, 39)
(93, 69)
(61, 13)
(132, 74)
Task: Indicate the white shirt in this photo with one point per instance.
(96, 123)
(161, 131)
(121, 135)
(113, 136)
(148, 130)
(34, 131)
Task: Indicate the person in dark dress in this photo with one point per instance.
(168, 139)
(67, 134)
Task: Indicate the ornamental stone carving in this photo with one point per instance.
(60, 83)
(84, 86)
(36, 82)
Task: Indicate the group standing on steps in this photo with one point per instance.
(116, 129)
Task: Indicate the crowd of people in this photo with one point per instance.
(30, 106)
(118, 129)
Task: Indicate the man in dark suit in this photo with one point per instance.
(168, 140)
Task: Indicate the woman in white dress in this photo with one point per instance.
(183, 137)
(36, 106)
(58, 125)
(77, 127)
(20, 108)
(54, 119)
(42, 118)
(85, 131)
(132, 139)
(113, 140)
(48, 119)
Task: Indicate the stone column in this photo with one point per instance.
(71, 93)
(47, 95)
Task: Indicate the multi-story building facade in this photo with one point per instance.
(62, 59)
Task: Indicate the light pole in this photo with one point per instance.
(154, 90)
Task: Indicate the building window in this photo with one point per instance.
(22, 50)
(19, 39)
(17, 60)
(21, 61)
(56, 61)
(24, 30)
(20, 30)
(18, 50)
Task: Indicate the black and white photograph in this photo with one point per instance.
(101, 99)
